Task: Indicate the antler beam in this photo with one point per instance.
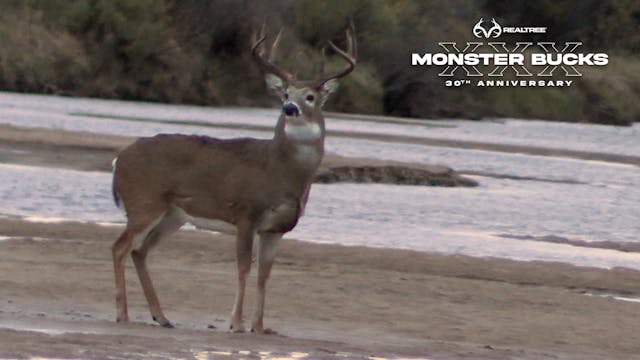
(349, 55)
(266, 64)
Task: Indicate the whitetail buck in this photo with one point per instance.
(243, 186)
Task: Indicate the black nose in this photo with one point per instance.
(291, 109)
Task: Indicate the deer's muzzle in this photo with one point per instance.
(291, 109)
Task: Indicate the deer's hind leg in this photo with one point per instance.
(139, 225)
(120, 248)
(169, 223)
(137, 228)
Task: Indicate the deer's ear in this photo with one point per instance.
(328, 88)
(275, 83)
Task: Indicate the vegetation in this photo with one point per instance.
(196, 51)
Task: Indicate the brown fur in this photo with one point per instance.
(256, 187)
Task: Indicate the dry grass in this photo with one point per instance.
(34, 57)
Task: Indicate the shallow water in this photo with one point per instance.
(573, 199)
(92, 115)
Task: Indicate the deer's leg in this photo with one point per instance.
(137, 228)
(244, 245)
(267, 250)
(120, 248)
(169, 224)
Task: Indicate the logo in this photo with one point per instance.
(493, 32)
(532, 64)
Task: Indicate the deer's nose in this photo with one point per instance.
(291, 109)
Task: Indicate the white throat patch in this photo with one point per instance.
(307, 154)
(304, 132)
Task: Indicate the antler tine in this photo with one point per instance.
(349, 55)
(351, 38)
(266, 64)
(275, 45)
(323, 52)
(257, 39)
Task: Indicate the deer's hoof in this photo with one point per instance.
(237, 329)
(266, 331)
(164, 323)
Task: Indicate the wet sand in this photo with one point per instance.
(57, 279)
(57, 300)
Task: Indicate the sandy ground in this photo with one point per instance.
(326, 301)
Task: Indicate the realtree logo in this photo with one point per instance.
(495, 30)
(534, 63)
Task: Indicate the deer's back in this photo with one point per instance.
(206, 177)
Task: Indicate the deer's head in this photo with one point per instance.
(302, 100)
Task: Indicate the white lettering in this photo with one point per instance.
(501, 59)
(538, 59)
(416, 59)
(524, 83)
(470, 59)
(509, 59)
(600, 59)
(440, 59)
(516, 59)
(524, 30)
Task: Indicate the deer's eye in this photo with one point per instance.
(310, 98)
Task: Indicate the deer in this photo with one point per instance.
(250, 188)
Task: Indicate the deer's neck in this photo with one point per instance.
(300, 143)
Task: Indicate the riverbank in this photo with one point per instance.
(326, 301)
(323, 299)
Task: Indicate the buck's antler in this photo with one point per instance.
(350, 55)
(266, 64)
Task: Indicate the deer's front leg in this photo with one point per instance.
(267, 250)
(244, 245)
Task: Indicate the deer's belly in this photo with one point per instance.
(279, 218)
(214, 225)
(209, 224)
